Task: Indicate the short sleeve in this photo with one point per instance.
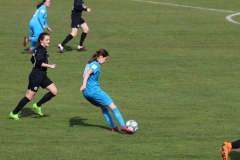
(95, 67)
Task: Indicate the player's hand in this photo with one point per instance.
(49, 30)
(89, 10)
(82, 88)
(53, 66)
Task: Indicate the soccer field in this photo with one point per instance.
(173, 67)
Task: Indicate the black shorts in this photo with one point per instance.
(76, 21)
(38, 78)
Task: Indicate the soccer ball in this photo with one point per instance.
(133, 125)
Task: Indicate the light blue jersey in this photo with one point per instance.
(40, 15)
(36, 25)
(93, 92)
(92, 82)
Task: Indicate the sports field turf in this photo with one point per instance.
(173, 67)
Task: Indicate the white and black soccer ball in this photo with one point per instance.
(132, 124)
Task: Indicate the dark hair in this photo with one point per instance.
(100, 52)
(41, 37)
(41, 3)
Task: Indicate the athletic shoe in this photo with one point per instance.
(82, 48)
(126, 129)
(38, 109)
(226, 147)
(30, 51)
(14, 116)
(61, 48)
(25, 40)
(115, 129)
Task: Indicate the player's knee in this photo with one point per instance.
(54, 92)
(30, 97)
(74, 34)
(86, 30)
(112, 106)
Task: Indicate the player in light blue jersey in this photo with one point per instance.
(37, 24)
(95, 95)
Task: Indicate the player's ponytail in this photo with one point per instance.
(101, 52)
(41, 3)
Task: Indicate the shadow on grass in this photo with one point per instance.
(68, 49)
(25, 51)
(28, 112)
(80, 121)
(234, 155)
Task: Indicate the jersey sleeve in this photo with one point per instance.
(95, 67)
(79, 6)
(42, 16)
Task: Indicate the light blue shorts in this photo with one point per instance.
(97, 98)
(35, 29)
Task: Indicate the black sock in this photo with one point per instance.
(83, 36)
(20, 105)
(45, 98)
(67, 39)
(236, 144)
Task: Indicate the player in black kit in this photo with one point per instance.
(38, 77)
(77, 21)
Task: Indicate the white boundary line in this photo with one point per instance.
(229, 17)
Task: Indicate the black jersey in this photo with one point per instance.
(78, 7)
(40, 56)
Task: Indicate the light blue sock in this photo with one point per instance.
(118, 116)
(33, 46)
(108, 117)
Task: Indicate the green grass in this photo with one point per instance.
(175, 70)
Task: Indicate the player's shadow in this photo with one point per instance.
(234, 155)
(28, 112)
(25, 51)
(80, 122)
